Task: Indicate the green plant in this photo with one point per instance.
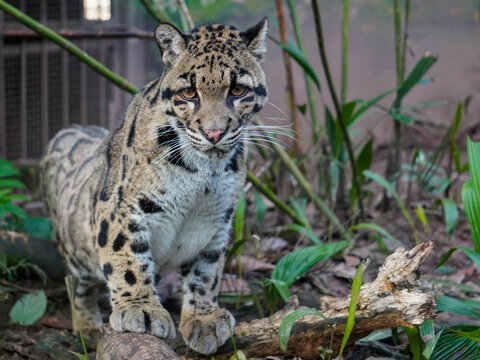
(9, 267)
(8, 184)
(29, 308)
(293, 265)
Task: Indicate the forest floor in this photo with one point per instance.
(51, 337)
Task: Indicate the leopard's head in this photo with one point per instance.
(213, 83)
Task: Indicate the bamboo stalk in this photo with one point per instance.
(343, 127)
(81, 34)
(288, 70)
(160, 17)
(308, 81)
(345, 26)
(186, 13)
(397, 126)
(68, 46)
(274, 198)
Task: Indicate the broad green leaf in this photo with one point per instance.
(295, 264)
(17, 197)
(11, 183)
(29, 308)
(260, 206)
(471, 192)
(15, 210)
(454, 306)
(451, 215)
(450, 345)
(471, 335)
(420, 69)
(391, 190)
(357, 284)
(282, 287)
(7, 169)
(300, 58)
(38, 226)
(4, 193)
(376, 228)
(287, 323)
(378, 335)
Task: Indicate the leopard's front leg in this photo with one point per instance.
(128, 266)
(204, 325)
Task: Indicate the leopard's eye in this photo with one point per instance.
(238, 90)
(188, 93)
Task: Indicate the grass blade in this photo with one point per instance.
(451, 215)
(288, 321)
(376, 228)
(455, 306)
(415, 342)
(357, 284)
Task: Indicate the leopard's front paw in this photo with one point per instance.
(205, 333)
(145, 318)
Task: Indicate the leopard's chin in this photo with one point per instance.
(216, 153)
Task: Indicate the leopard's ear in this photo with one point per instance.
(171, 42)
(256, 38)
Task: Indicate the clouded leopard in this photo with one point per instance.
(159, 190)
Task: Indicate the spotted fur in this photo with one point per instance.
(157, 192)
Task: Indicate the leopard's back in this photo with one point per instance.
(69, 174)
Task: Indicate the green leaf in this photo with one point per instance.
(11, 183)
(239, 217)
(300, 58)
(347, 111)
(422, 217)
(456, 122)
(357, 284)
(29, 308)
(405, 119)
(430, 347)
(79, 356)
(451, 345)
(364, 161)
(260, 206)
(7, 169)
(469, 252)
(295, 264)
(415, 342)
(451, 215)
(420, 69)
(17, 197)
(454, 306)
(365, 105)
(15, 210)
(471, 192)
(287, 323)
(391, 190)
(376, 228)
(4, 193)
(38, 226)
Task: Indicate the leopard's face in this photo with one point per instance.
(213, 84)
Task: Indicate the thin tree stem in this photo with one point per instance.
(308, 81)
(68, 46)
(290, 83)
(343, 127)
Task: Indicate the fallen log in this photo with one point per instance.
(397, 297)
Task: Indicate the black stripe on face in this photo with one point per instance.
(257, 108)
(233, 165)
(149, 207)
(260, 90)
(167, 136)
(250, 98)
(167, 94)
(179, 102)
(131, 133)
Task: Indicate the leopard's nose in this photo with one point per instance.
(214, 136)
